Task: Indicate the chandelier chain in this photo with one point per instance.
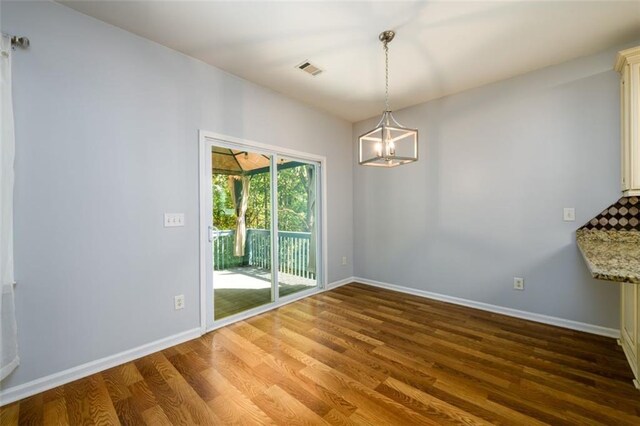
(386, 77)
(389, 143)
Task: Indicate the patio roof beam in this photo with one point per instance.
(283, 166)
(236, 158)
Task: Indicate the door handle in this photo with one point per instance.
(213, 233)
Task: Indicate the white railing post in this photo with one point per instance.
(293, 251)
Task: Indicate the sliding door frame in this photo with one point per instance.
(206, 141)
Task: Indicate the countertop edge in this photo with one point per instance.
(602, 275)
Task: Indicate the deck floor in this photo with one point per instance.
(239, 289)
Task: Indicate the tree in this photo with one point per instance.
(223, 212)
(292, 201)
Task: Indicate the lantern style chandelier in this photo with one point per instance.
(389, 144)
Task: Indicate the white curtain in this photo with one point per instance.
(9, 359)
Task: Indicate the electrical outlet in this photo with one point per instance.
(518, 283)
(344, 260)
(178, 302)
(569, 214)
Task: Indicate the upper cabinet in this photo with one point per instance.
(628, 65)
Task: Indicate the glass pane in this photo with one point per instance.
(297, 226)
(241, 216)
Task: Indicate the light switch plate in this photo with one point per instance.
(569, 214)
(173, 219)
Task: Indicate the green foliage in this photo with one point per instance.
(259, 206)
(224, 216)
(292, 201)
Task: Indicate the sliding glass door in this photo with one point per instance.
(261, 214)
(241, 218)
(297, 230)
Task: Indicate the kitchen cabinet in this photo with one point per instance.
(628, 65)
(615, 256)
(629, 327)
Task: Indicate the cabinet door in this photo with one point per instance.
(633, 136)
(628, 65)
(624, 128)
(630, 317)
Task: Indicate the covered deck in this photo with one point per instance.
(242, 253)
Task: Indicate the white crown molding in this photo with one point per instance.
(531, 316)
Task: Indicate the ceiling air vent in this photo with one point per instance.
(309, 68)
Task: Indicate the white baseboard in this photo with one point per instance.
(42, 384)
(339, 283)
(531, 316)
(51, 381)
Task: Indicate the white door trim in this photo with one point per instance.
(275, 241)
(206, 141)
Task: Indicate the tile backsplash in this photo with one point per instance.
(623, 215)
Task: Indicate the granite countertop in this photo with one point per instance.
(611, 255)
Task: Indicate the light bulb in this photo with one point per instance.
(378, 148)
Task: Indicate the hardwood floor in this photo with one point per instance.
(358, 355)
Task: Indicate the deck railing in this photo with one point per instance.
(223, 257)
(293, 247)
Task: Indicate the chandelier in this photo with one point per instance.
(389, 144)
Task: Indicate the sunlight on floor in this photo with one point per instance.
(249, 277)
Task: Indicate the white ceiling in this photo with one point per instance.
(440, 47)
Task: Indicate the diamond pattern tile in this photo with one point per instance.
(624, 215)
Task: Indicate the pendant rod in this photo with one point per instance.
(386, 77)
(385, 37)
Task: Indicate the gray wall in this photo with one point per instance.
(107, 141)
(485, 201)
(106, 126)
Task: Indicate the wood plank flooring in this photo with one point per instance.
(358, 355)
